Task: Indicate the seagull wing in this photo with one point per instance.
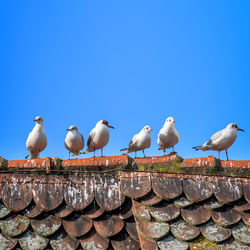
(132, 143)
(215, 137)
(91, 137)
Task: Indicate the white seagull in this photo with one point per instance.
(74, 141)
(37, 140)
(168, 135)
(98, 137)
(221, 140)
(140, 141)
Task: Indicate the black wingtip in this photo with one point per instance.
(123, 149)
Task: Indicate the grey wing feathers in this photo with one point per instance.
(90, 138)
(214, 137)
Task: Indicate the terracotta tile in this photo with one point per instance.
(7, 242)
(165, 187)
(135, 185)
(94, 241)
(61, 240)
(93, 211)
(32, 211)
(118, 160)
(170, 243)
(46, 226)
(151, 199)
(77, 225)
(108, 225)
(199, 162)
(155, 159)
(246, 218)
(131, 228)
(31, 163)
(242, 233)
(195, 215)
(212, 204)
(79, 193)
(4, 211)
(147, 244)
(108, 194)
(141, 211)
(227, 191)
(14, 225)
(124, 241)
(184, 232)
(17, 196)
(236, 164)
(63, 211)
(232, 244)
(165, 212)
(31, 241)
(225, 217)
(215, 233)
(182, 202)
(125, 210)
(246, 191)
(197, 190)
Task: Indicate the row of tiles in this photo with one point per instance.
(79, 192)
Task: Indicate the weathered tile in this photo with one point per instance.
(232, 244)
(170, 243)
(4, 211)
(7, 242)
(202, 244)
(16, 196)
(197, 190)
(153, 230)
(94, 241)
(246, 191)
(242, 206)
(184, 232)
(108, 225)
(77, 225)
(47, 196)
(242, 233)
(151, 199)
(215, 233)
(108, 194)
(182, 202)
(131, 228)
(32, 211)
(61, 240)
(46, 226)
(93, 211)
(227, 191)
(63, 211)
(246, 218)
(165, 212)
(124, 241)
(212, 204)
(79, 192)
(125, 210)
(226, 217)
(165, 187)
(195, 215)
(136, 185)
(14, 225)
(141, 211)
(31, 241)
(147, 244)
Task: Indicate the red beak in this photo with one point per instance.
(241, 130)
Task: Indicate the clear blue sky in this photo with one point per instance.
(130, 62)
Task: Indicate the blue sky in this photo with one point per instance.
(130, 62)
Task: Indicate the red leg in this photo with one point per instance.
(94, 152)
(227, 154)
(69, 155)
(101, 151)
(219, 155)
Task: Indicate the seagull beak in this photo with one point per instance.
(239, 129)
(110, 126)
(35, 120)
(68, 129)
(150, 129)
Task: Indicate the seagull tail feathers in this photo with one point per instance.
(198, 148)
(123, 149)
(27, 156)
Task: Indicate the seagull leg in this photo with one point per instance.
(101, 152)
(227, 154)
(143, 153)
(69, 155)
(219, 155)
(94, 152)
(135, 154)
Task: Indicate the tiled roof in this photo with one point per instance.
(140, 206)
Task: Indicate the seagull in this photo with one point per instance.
(37, 140)
(168, 135)
(221, 140)
(74, 141)
(140, 141)
(98, 137)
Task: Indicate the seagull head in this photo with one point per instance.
(105, 123)
(72, 128)
(38, 120)
(147, 129)
(170, 120)
(235, 127)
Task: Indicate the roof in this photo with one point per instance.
(123, 203)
